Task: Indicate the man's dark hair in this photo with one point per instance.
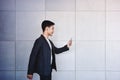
(46, 23)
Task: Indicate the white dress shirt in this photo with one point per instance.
(50, 48)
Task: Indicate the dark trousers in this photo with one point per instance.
(44, 77)
(48, 77)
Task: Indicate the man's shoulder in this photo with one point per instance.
(40, 39)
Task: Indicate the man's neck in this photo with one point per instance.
(45, 35)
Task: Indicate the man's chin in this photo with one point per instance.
(51, 34)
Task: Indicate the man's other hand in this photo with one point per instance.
(29, 76)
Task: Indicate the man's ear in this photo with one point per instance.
(46, 28)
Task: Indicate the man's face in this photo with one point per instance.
(50, 30)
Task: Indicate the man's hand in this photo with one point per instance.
(69, 43)
(29, 76)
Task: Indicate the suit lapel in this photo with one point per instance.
(45, 41)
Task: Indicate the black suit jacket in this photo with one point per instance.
(40, 57)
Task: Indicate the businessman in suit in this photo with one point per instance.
(42, 57)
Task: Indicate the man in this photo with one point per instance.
(42, 57)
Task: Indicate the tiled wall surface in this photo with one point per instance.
(94, 26)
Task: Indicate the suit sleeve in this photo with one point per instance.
(32, 58)
(60, 50)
